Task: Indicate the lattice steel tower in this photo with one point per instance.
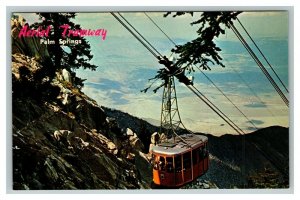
(170, 117)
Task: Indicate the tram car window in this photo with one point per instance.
(161, 163)
(169, 165)
(195, 156)
(187, 160)
(178, 165)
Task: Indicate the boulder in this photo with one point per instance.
(66, 75)
(163, 137)
(151, 148)
(134, 141)
(66, 100)
(129, 132)
(112, 148)
(154, 138)
(59, 134)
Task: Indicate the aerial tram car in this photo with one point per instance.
(177, 163)
(177, 158)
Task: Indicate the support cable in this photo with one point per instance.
(140, 35)
(250, 121)
(159, 28)
(263, 56)
(216, 109)
(200, 97)
(253, 92)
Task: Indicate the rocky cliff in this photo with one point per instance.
(62, 139)
(69, 142)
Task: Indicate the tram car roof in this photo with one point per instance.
(170, 147)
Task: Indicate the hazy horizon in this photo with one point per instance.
(125, 67)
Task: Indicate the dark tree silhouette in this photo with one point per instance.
(203, 49)
(70, 56)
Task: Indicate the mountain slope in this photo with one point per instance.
(62, 139)
(231, 163)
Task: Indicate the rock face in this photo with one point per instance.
(66, 142)
(141, 128)
(200, 183)
(72, 145)
(52, 149)
(134, 141)
(24, 63)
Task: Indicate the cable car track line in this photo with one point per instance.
(263, 55)
(253, 92)
(172, 41)
(250, 121)
(193, 89)
(125, 26)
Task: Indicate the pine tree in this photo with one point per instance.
(70, 56)
(203, 50)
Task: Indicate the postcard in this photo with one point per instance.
(149, 100)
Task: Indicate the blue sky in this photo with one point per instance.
(125, 67)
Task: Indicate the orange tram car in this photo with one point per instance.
(180, 160)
